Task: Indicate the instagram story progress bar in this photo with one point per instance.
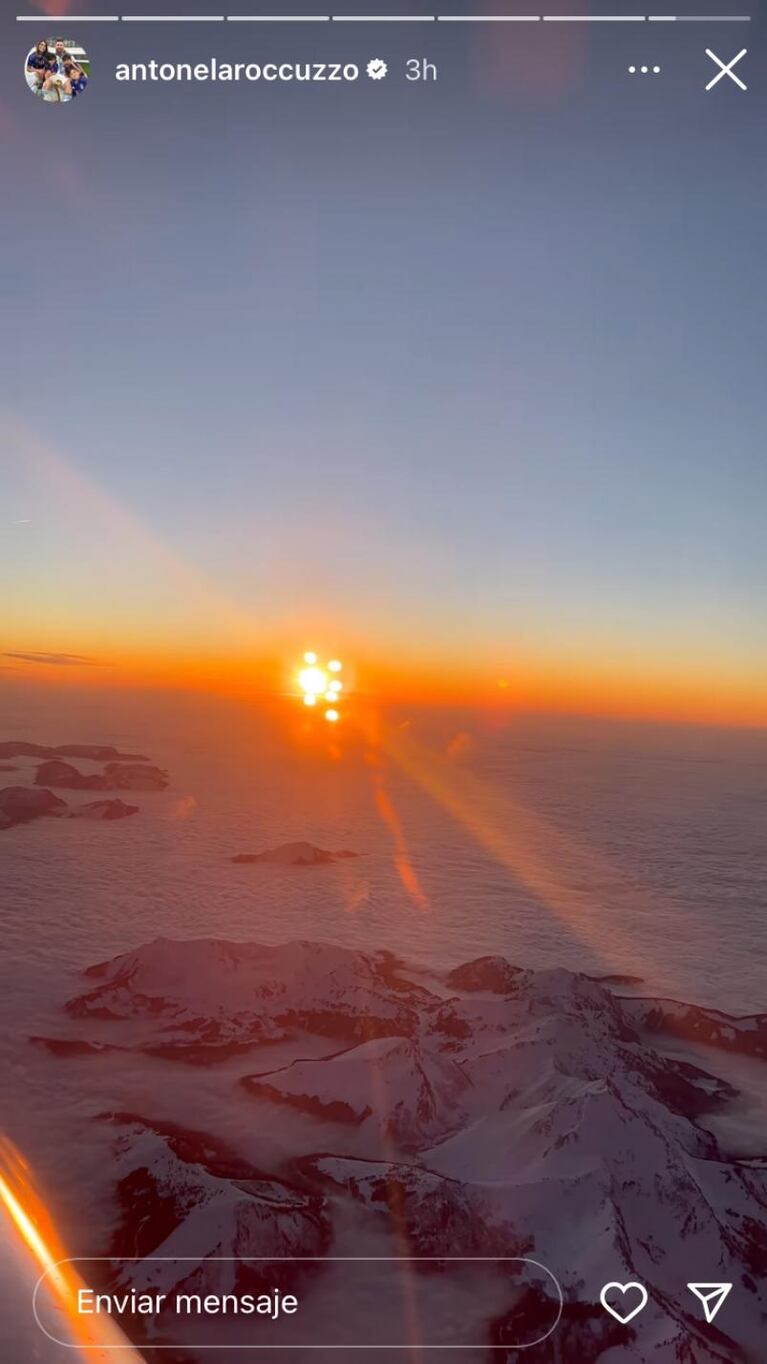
(396, 18)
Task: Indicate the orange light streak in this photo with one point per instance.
(594, 897)
(405, 869)
(99, 1339)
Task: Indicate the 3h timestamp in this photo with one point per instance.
(420, 69)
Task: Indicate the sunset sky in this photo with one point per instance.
(466, 383)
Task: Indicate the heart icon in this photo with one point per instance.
(624, 1314)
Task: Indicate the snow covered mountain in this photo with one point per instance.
(183, 1193)
(206, 992)
(489, 1111)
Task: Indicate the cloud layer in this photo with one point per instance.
(58, 660)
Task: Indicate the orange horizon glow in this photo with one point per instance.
(716, 700)
(163, 622)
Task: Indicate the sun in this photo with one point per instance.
(313, 681)
(321, 683)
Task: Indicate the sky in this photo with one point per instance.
(465, 381)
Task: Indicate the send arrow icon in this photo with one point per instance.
(711, 1295)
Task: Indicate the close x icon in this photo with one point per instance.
(726, 69)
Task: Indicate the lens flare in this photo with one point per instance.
(315, 683)
(27, 1227)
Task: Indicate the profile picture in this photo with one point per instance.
(57, 70)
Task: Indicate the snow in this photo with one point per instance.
(527, 1110)
(210, 990)
(410, 1093)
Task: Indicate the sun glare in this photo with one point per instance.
(316, 684)
(313, 681)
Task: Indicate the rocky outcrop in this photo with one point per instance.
(117, 776)
(20, 804)
(493, 974)
(72, 1046)
(429, 1212)
(746, 1035)
(410, 1093)
(58, 773)
(295, 855)
(121, 776)
(105, 809)
(584, 1335)
(182, 1192)
(20, 748)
